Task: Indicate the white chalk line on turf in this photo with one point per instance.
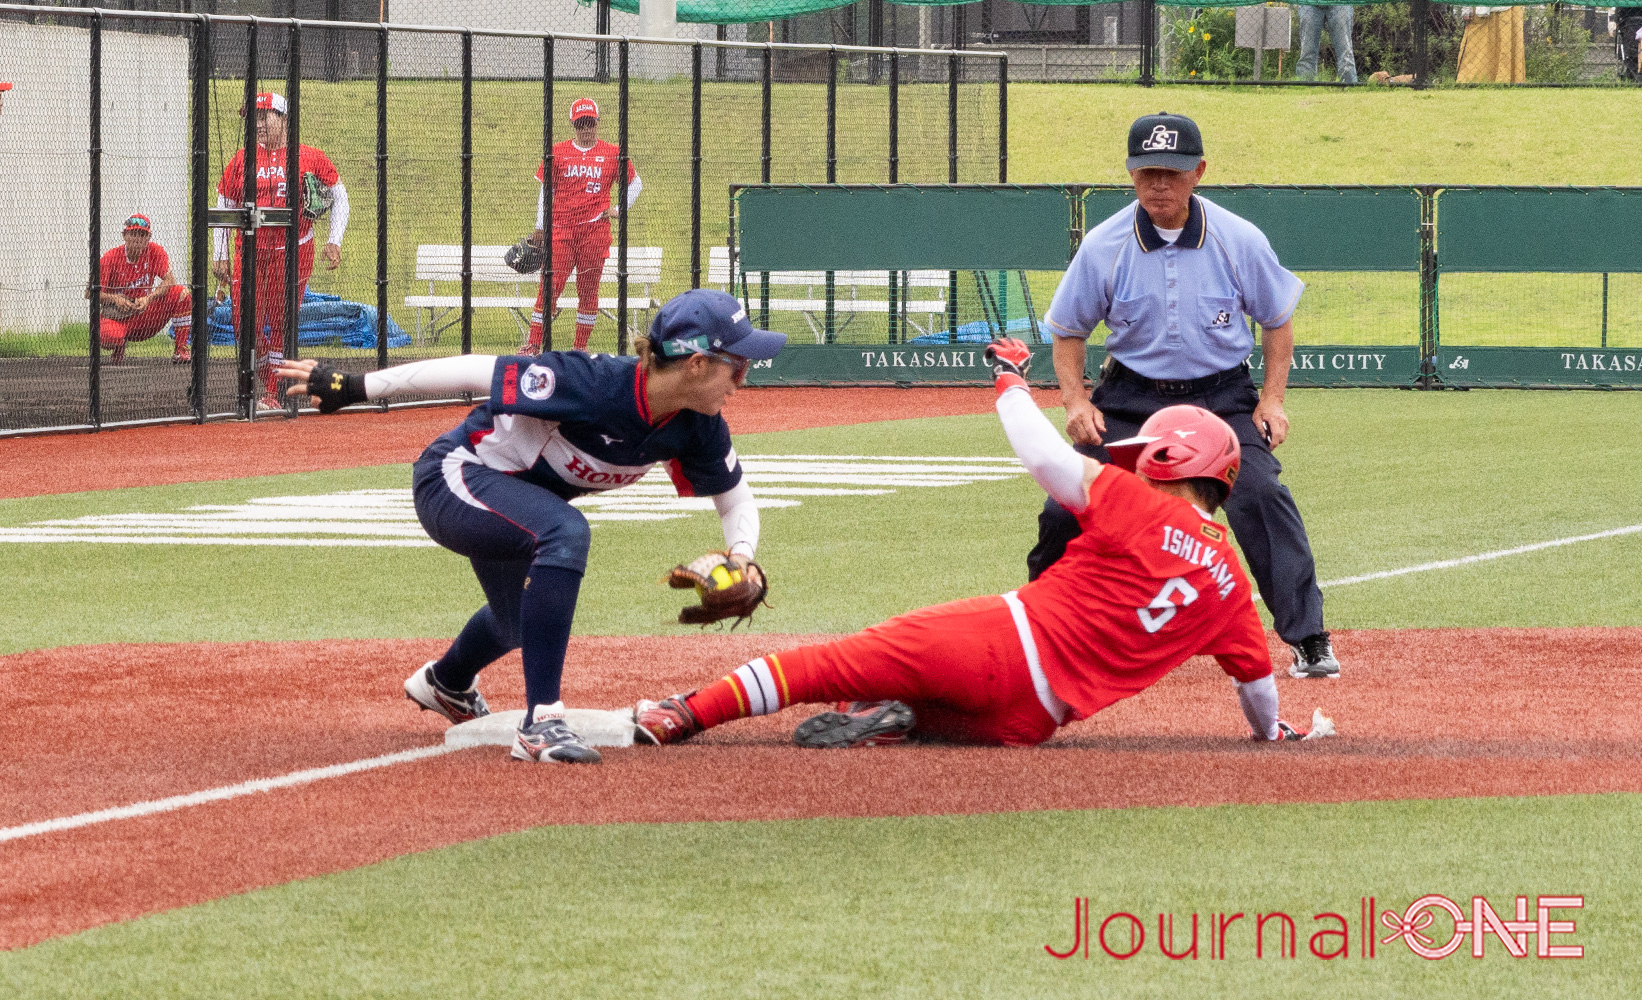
(219, 794)
(1480, 557)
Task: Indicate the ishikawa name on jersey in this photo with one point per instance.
(1150, 582)
(577, 424)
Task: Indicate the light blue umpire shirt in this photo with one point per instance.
(1175, 310)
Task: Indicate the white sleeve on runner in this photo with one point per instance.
(219, 237)
(463, 373)
(541, 206)
(339, 213)
(1050, 460)
(738, 512)
(1259, 700)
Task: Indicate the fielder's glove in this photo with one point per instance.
(1010, 360)
(729, 586)
(316, 196)
(334, 388)
(525, 256)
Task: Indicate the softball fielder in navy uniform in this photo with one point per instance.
(497, 489)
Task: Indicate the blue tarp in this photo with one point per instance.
(324, 320)
(977, 332)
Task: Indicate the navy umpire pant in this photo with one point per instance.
(528, 547)
(1260, 509)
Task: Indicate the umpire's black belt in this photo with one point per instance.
(1113, 368)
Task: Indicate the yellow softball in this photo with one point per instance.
(724, 577)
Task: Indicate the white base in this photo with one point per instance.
(598, 728)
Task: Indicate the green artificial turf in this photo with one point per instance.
(907, 908)
(1384, 478)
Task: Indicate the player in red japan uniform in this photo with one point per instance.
(140, 294)
(584, 178)
(1151, 581)
(273, 192)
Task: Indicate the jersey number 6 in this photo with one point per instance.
(1157, 614)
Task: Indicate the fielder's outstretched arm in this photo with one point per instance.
(463, 373)
(738, 512)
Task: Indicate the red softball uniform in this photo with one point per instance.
(1149, 583)
(119, 273)
(583, 181)
(272, 188)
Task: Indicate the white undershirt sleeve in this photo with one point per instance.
(219, 237)
(738, 512)
(1046, 455)
(339, 213)
(1259, 701)
(541, 206)
(463, 373)
(634, 186)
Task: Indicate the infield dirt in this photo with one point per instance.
(1416, 720)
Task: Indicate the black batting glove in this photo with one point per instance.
(335, 389)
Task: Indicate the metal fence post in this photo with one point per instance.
(952, 178)
(895, 329)
(621, 200)
(549, 172)
(467, 192)
(199, 234)
(250, 162)
(382, 198)
(601, 57)
(764, 176)
(1148, 42)
(1428, 378)
(1419, 12)
(830, 324)
(1003, 120)
(94, 149)
(695, 165)
(293, 193)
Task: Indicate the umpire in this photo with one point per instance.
(1173, 276)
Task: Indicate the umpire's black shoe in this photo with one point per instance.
(867, 724)
(1314, 658)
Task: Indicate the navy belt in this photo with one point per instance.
(1113, 368)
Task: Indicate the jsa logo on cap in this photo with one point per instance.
(1162, 138)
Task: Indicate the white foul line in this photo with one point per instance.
(1482, 557)
(403, 756)
(218, 794)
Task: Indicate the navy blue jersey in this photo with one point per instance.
(578, 423)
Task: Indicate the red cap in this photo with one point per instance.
(1181, 442)
(138, 221)
(584, 107)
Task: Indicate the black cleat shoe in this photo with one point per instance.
(867, 724)
(1314, 658)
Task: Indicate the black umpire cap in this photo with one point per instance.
(1164, 140)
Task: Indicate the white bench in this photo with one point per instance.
(441, 263)
(846, 284)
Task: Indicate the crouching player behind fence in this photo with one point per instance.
(497, 488)
(140, 294)
(1150, 581)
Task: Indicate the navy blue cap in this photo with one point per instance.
(705, 321)
(1164, 140)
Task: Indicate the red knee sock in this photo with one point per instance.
(584, 329)
(758, 687)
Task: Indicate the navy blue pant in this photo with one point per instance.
(1260, 509)
(528, 547)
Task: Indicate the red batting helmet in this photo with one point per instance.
(1181, 442)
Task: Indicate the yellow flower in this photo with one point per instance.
(1207, 36)
(1190, 28)
(1193, 72)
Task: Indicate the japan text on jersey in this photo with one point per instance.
(577, 424)
(122, 274)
